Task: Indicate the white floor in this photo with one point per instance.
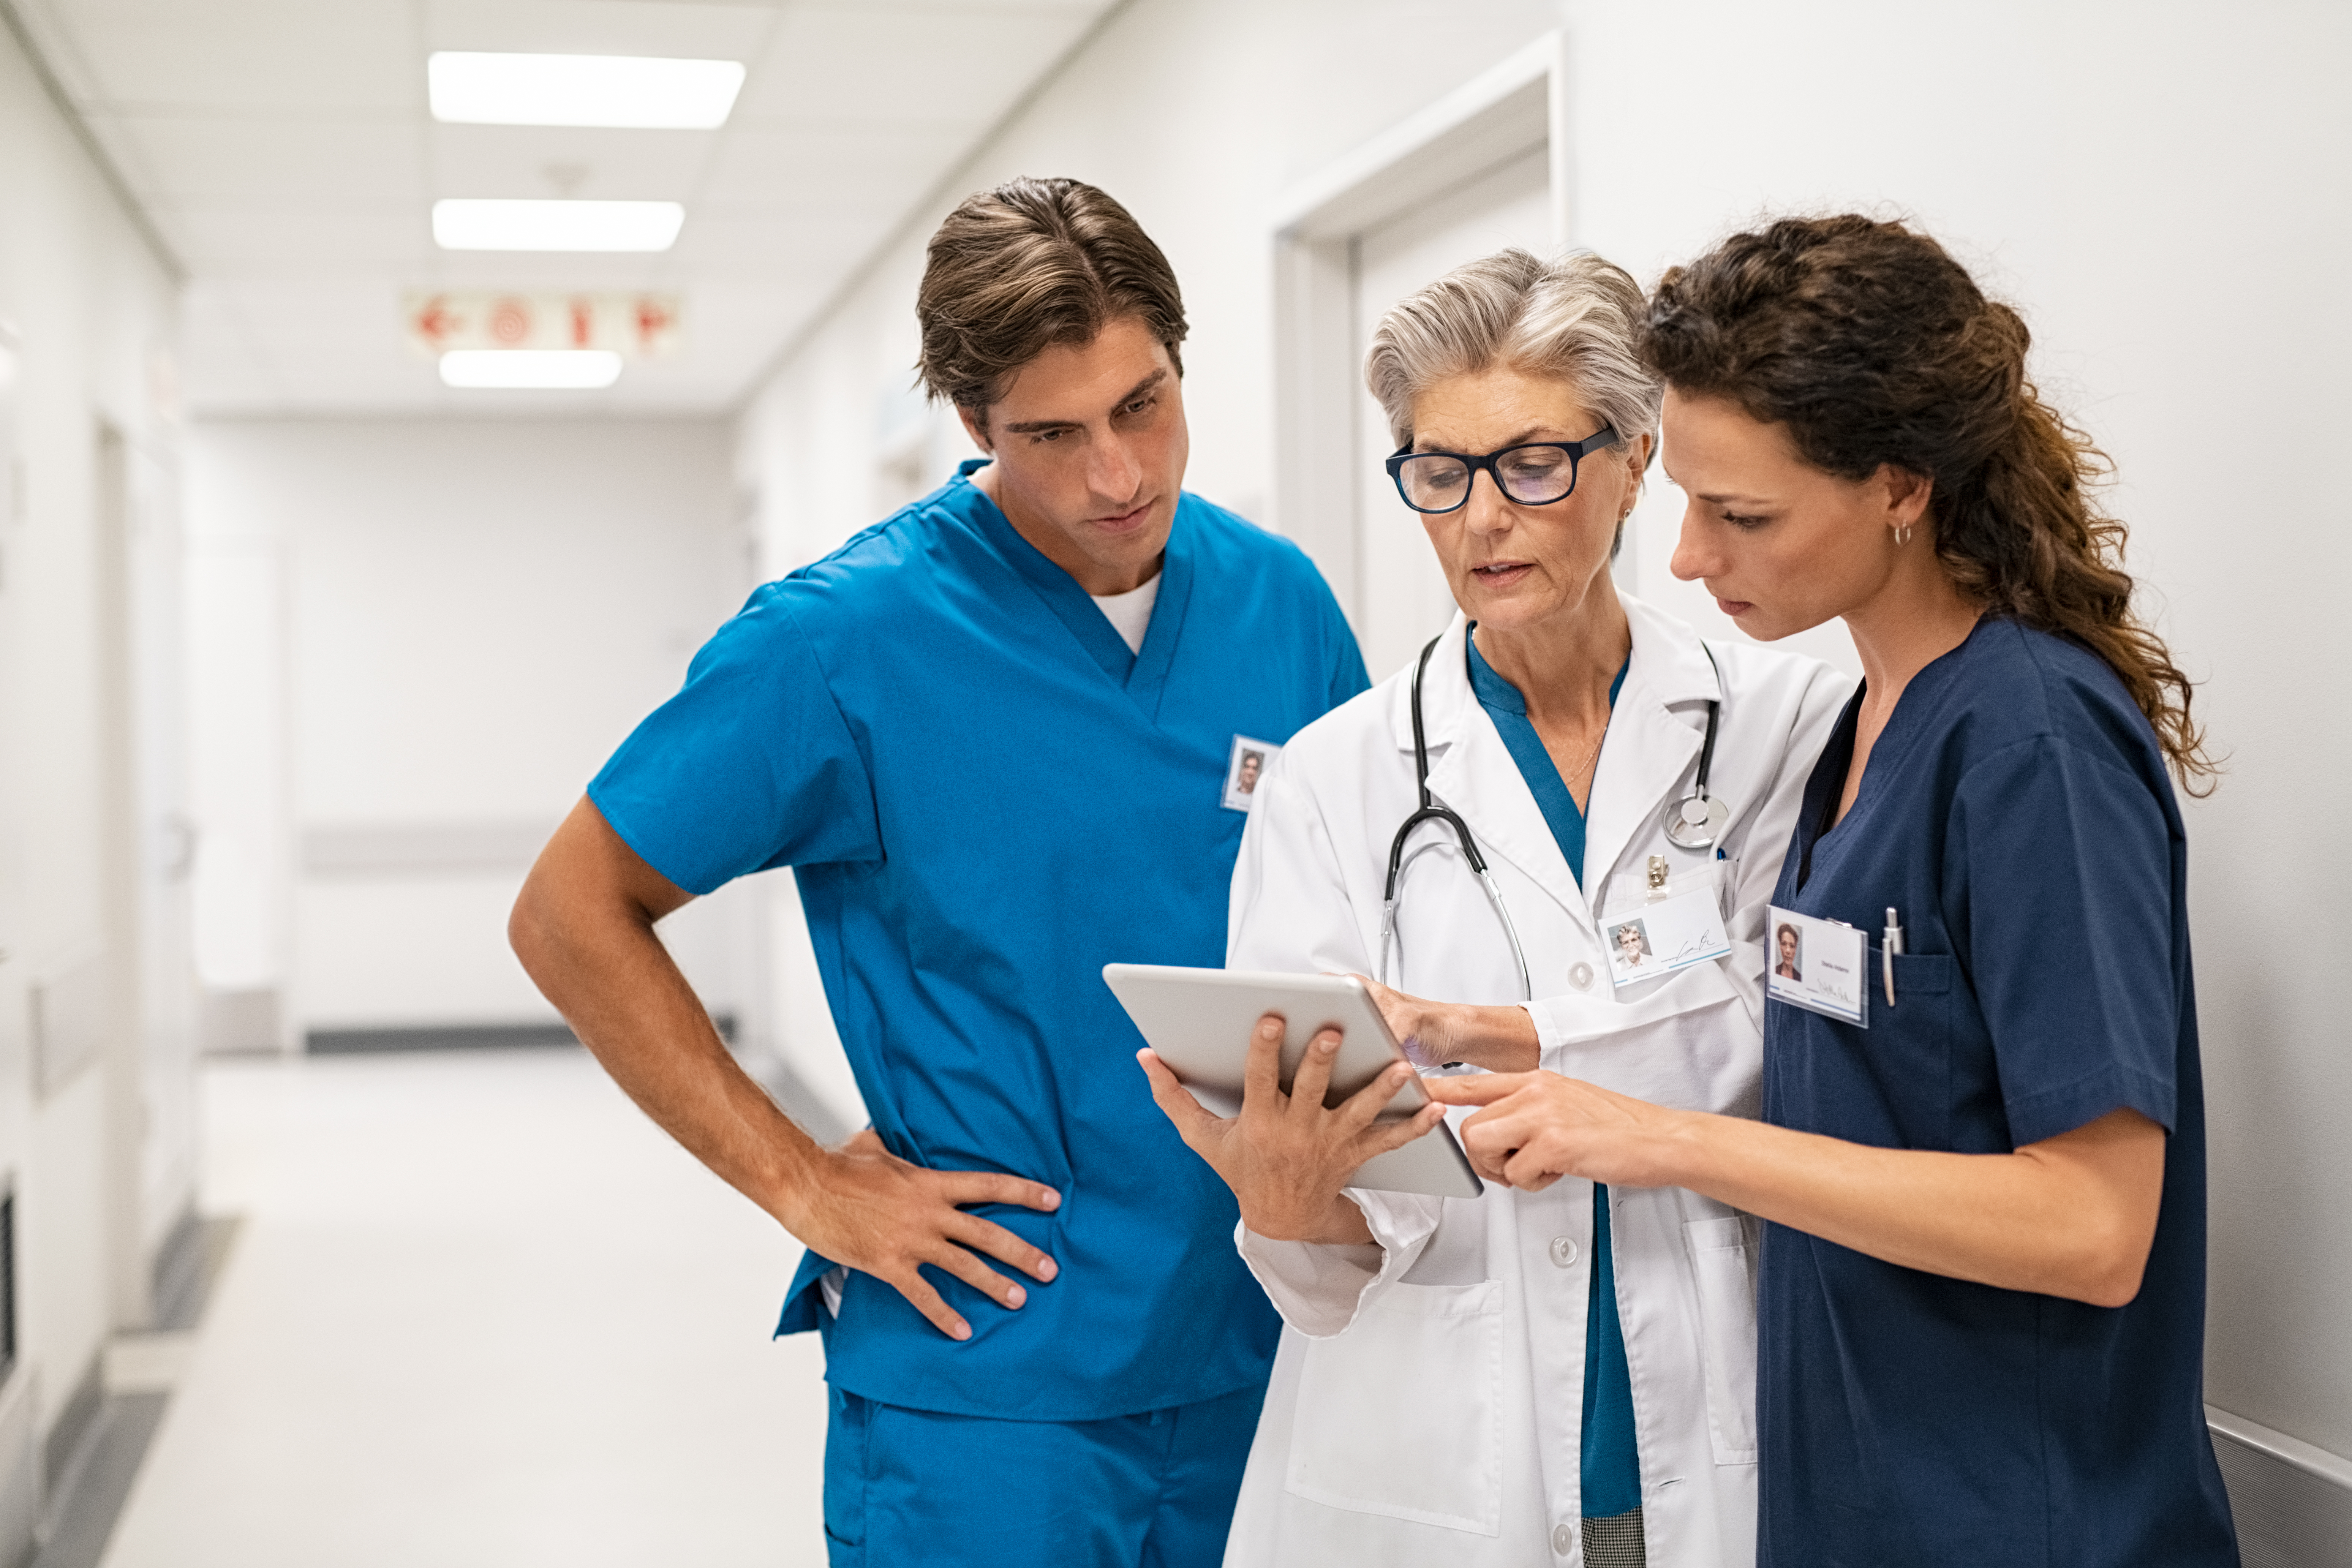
(481, 1312)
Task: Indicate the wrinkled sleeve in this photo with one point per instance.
(1322, 1291)
(1669, 1046)
(752, 765)
(2058, 867)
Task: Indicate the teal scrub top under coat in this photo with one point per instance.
(985, 796)
(1612, 1459)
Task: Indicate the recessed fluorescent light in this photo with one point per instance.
(583, 89)
(503, 225)
(567, 370)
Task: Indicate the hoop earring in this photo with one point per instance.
(1901, 536)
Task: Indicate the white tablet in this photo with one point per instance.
(1200, 1022)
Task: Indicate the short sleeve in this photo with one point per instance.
(750, 765)
(2062, 862)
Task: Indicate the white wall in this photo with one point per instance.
(443, 628)
(2164, 196)
(97, 1131)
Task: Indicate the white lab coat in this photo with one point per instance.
(1426, 1400)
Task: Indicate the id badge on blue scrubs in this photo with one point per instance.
(1823, 966)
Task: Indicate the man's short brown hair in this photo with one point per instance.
(1029, 266)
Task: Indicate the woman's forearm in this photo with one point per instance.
(2071, 1217)
(1500, 1039)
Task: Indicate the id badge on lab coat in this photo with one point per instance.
(1823, 966)
(1656, 938)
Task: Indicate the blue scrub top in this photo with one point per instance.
(986, 796)
(1611, 1458)
(2017, 814)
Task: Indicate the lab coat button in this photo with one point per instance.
(1563, 1252)
(1563, 1540)
(1580, 977)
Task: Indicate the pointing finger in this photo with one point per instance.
(1477, 1089)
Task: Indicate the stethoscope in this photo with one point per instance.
(1695, 822)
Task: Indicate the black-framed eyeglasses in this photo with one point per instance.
(1537, 474)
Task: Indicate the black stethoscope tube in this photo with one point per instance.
(1692, 833)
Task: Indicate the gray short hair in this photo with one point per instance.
(1574, 318)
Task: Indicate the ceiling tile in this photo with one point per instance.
(282, 147)
(538, 160)
(865, 66)
(251, 56)
(680, 30)
(853, 167)
(813, 243)
(241, 240)
(330, 166)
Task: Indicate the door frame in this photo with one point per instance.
(1516, 106)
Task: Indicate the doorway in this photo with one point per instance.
(1485, 167)
(1402, 597)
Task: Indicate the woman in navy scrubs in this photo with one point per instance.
(1982, 1294)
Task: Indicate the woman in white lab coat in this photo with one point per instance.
(1430, 1399)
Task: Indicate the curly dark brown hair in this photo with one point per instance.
(1029, 266)
(1872, 346)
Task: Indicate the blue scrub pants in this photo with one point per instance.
(1154, 1490)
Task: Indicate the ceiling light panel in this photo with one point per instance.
(623, 92)
(550, 370)
(497, 223)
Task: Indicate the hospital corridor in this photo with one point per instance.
(706, 707)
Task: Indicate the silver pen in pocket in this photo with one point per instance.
(1892, 945)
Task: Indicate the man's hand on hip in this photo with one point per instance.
(866, 1207)
(584, 928)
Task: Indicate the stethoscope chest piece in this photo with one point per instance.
(1696, 821)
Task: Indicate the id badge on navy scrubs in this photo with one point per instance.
(1823, 966)
(1668, 933)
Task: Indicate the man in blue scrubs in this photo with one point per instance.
(993, 734)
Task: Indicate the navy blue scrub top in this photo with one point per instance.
(2017, 814)
(1611, 1467)
(986, 796)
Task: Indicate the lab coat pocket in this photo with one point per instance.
(1401, 1414)
(1722, 1269)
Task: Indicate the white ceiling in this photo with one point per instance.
(283, 151)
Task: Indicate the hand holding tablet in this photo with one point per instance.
(1288, 1115)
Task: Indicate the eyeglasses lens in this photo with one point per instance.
(1434, 483)
(1535, 476)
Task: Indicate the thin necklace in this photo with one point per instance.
(1586, 760)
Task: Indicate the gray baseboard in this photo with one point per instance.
(99, 1484)
(100, 1438)
(2293, 1501)
(456, 1037)
(186, 1266)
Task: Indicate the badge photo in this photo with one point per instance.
(1246, 765)
(1823, 966)
(1651, 940)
